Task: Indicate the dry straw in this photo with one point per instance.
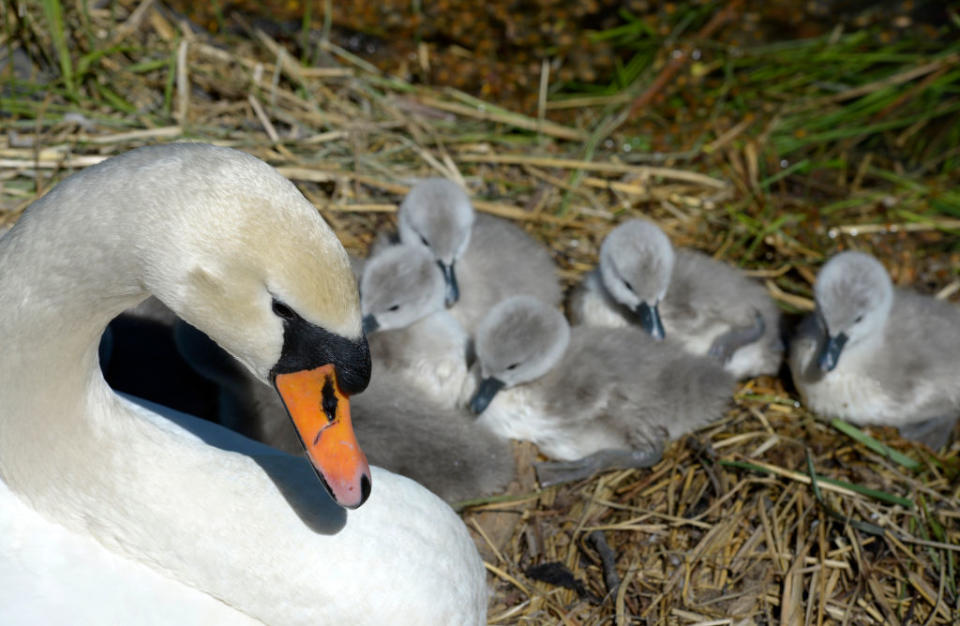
(769, 516)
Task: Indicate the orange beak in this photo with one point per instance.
(321, 415)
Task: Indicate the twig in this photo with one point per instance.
(642, 171)
(829, 484)
(609, 559)
(680, 56)
(804, 304)
(542, 94)
(545, 127)
(854, 230)
(183, 84)
(264, 120)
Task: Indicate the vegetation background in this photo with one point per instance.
(769, 134)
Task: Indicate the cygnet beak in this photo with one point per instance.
(485, 392)
(830, 353)
(453, 290)
(370, 323)
(650, 320)
(321, 415)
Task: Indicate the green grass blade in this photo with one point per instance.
(876, 494)
(53, 12)
(886, 451)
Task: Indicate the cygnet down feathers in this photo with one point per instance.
(484, 259)
(597, 397)
(874, 354)
(708, 307)
(411, 334)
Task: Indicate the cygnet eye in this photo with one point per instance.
(424, 240)
(282, 311)
(395, 307)
(858, 320)
(629, 286)
(513, 366)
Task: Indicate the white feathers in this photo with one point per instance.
(217, 234)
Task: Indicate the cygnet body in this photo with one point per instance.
(608, 395)
(410, 332)
(874, 354)
(706, 306)
(483, 259)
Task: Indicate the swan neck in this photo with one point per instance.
(56, 308)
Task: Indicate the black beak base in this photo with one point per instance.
(453, 290)
(650, 320)
(830, 353)
(485, 393)
(307, 346)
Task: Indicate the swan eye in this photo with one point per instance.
(513, 366)
(282, 311)
(858, 320)
(424, 240)
(395, 307)
(629, 286)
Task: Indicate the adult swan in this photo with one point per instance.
(110, 513)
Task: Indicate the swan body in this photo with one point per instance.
(703, 305)
(49, 575)
(232, 247)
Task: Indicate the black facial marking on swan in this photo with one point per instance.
(329, 402)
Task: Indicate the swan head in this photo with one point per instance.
(518, 341)
(854, 295)
(249, 261)
(636, 261)
(400, 286)
(437, 215)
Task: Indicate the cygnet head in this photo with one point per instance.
(234, 249)
(519, 340)
(854, 295)
(636, 261)
(400, 286)
(438, 216)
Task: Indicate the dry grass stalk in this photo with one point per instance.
(695, 539)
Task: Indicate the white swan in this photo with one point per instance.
(182, 521)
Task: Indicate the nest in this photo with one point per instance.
(768, 516)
